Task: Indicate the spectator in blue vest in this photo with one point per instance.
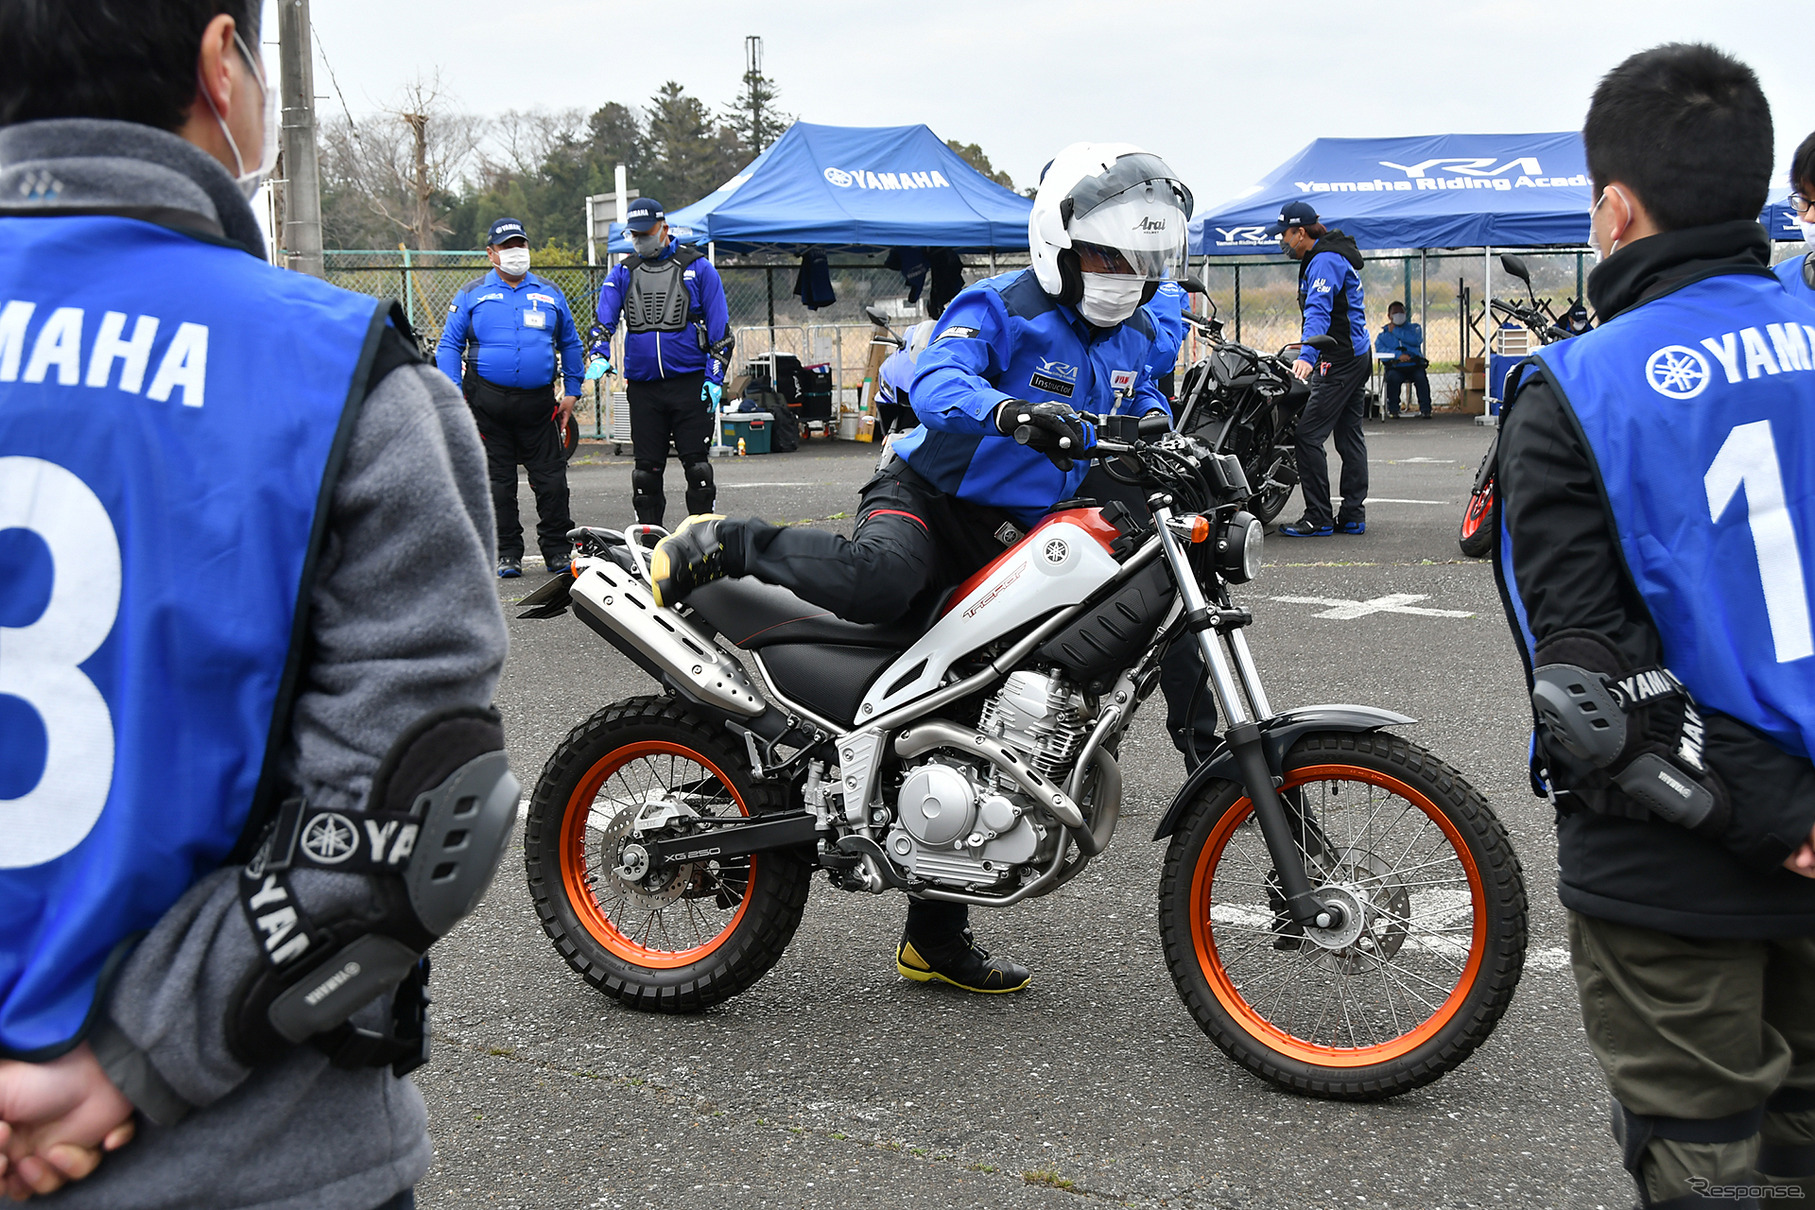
(1401, 348)
(282, 622)
(509, 338)
(1657, 487)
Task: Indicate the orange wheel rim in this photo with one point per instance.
(646, 946)
(1477, 512)
(1254, 1022)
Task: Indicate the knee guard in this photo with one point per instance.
(1634, 729)
(700, 489)
(646, 493)
(439, 816)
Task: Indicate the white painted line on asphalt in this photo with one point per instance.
(1340, 610)
(729, 483)
(1391, 500)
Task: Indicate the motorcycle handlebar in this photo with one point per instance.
(1151, 425)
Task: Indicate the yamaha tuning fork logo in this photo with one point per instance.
(1677, 371)
(863, 178)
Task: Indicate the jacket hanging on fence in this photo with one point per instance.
(911, 263)
(948, 279)
(813, 284)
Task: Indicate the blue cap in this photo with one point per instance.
(1293, 214)
(644, 214)
(503, 229)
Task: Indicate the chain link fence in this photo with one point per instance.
(1444, 291)
(1258, 301)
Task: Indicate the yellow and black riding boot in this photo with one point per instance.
(961, 962)
(691, 556)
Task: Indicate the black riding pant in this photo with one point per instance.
(518, 427)
(1335, 405)
(664, 410)
(1396, 378)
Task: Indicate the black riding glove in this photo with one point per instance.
(1052, 428)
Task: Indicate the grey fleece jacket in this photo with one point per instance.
(405, 619)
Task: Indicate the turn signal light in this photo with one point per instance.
(1200, 529)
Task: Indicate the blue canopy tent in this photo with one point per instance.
(1437, 191)
(1440, 191)
(853, 187)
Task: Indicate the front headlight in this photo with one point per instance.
(1238, 547)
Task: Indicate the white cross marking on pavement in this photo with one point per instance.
(1399, 602)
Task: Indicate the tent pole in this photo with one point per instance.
(769, 272)
(1238, 302)
(992, 266)
(1487, 323)
(1424, 292)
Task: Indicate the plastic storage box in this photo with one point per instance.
(753, 427)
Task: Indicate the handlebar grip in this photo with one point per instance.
(1155, 422)
(1024, 434)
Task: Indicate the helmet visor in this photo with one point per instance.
(1137, 211)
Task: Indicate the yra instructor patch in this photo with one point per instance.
(1051, 385)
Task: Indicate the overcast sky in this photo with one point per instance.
(1224, 91)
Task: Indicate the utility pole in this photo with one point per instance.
(753, 84)
(301, 235)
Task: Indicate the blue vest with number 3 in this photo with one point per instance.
(1699, 409)
(169, 413)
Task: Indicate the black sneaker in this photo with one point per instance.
(962, 963)
(559, 567)
(1304, 528)
(687, 558)
(509, 568)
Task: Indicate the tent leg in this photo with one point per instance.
(769, 273)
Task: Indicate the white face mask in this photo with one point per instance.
(1808, 233)
(1600, 256)
(513, 262)
(648, 244)
(249, 181)
(1110, 298)
(1396, 318)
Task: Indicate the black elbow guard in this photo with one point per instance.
(1636, 730)
(441, 811)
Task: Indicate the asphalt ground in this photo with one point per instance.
(833, 1082)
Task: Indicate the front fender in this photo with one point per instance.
(1278, 734)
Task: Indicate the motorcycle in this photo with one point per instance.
(1481, 517)
(1243, 402)
(1340, 910)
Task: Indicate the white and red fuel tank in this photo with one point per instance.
(1061, 561)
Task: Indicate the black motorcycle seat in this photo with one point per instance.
(755, 615)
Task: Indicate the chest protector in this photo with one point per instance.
(165, 458)
(1699, 410)
(656, 297)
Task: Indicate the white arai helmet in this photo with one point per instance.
(1122, 210)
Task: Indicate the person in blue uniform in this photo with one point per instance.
(677, 344)
(1331, 299)
(1030, 348)
(1657, 484)
(509, 339)
(1401, 346)
(1167, 309)
(1799, 271)
(253, 584)
(895, 380)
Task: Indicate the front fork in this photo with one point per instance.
(1215, 628)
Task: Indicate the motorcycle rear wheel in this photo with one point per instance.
(713, 928)
(1438, 941)
(1482, 518)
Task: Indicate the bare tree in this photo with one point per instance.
(403, 166)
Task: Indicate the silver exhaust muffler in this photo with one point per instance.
(668, 647)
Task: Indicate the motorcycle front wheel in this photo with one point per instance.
(1482, 518)
(685, 938)
(1418, 974)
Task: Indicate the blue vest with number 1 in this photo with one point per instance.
(1699, 409)
(170, 414)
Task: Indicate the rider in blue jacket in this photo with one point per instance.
(676, 347)
(1031, 350)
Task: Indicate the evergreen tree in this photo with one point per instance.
(973, 155)
(754, 119)
(688, 153)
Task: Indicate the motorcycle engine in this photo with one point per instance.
(962, 823)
